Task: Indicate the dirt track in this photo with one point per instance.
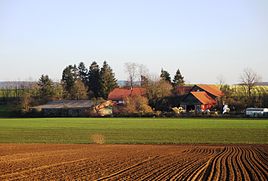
(133, 162)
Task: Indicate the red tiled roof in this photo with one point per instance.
(212, 89)
(203, 97)
(121, 93)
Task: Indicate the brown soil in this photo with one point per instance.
(133, 162)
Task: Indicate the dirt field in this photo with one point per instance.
(133, 162)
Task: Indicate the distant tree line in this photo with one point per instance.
(80, 82)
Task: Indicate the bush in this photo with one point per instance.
(137, 105)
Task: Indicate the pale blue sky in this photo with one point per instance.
(204, 38)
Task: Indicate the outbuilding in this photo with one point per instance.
(202, 97)
(65, 108)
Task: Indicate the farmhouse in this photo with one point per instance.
(65, 108)
(118, 94)
(201, 97)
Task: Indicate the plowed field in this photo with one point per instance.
(133, 162)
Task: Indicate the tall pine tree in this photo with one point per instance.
(94, 81)
(69, 76)
(178, 79)
(46, 88)
(108, 80)
(165, 76)
(82, 73)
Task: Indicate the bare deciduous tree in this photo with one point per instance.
(220, 80)
(131, 69)
(25, 101)
(135, 72)
(143, 71)
(249, 78)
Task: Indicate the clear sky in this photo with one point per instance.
(205, 39)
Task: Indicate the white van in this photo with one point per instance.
(257, 112)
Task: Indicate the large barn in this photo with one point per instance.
(201, 97)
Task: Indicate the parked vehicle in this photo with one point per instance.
(257, 112)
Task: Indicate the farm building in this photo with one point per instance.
(65, 108)
(212, 90)
(118, 94)
(183, 90)
(201, 97)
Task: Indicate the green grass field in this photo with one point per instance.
(134, 130)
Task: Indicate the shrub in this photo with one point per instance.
(137, 104)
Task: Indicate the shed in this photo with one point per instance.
(65, 108)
